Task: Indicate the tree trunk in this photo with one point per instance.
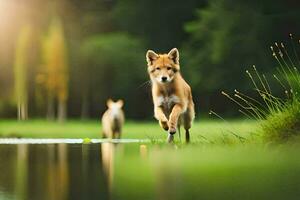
(22, 110)
(85, 107)
(19, 111)
(50, 108)
(62, 111)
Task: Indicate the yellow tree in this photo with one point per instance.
(20, 72)
(56, 70)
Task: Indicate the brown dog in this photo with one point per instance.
(113, 119)
(172, 96)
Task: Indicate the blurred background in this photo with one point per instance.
(64, 58)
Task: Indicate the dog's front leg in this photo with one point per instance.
(176, 112)
(161, 117)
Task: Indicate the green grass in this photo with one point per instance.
(279, 117)
(211, 172)
(206, 131)
(283, 125)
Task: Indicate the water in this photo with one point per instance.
(63, 171)
(54, 171)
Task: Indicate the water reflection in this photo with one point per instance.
(134, 171)
(107, 153)
(21, 171)
(56, 171)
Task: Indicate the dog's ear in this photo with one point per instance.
(109, 102)
(151, 56)
(120, 102)
(174, 55)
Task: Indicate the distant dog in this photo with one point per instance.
(113, 119)
(172, 96)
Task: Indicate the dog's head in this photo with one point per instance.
(162, 68)
(115, 107)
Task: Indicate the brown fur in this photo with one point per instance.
(113, 119)
(172, 98)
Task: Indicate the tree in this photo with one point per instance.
(223, 47)
(158, 23)
(114, 67)
(229, 36)
(20, 72)
(56, 70)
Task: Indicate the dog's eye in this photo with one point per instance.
(157, 68)
(169, 68)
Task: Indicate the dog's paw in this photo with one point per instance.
(172, 130)
(164, 125)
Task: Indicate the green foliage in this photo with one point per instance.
(216, 39)
(55, 61)
(158, 23)
(54, 73)
(279, 117)
(113, 67)
(282, 125)
(223, 39)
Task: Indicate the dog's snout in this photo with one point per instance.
(164, 79)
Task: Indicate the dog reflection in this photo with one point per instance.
(107, 153)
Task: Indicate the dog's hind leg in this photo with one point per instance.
(179, 123)
(187, 136)
(179, 134)
(187, 123)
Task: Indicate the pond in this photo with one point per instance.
(147, 171)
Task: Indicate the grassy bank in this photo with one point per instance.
(207, 131)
